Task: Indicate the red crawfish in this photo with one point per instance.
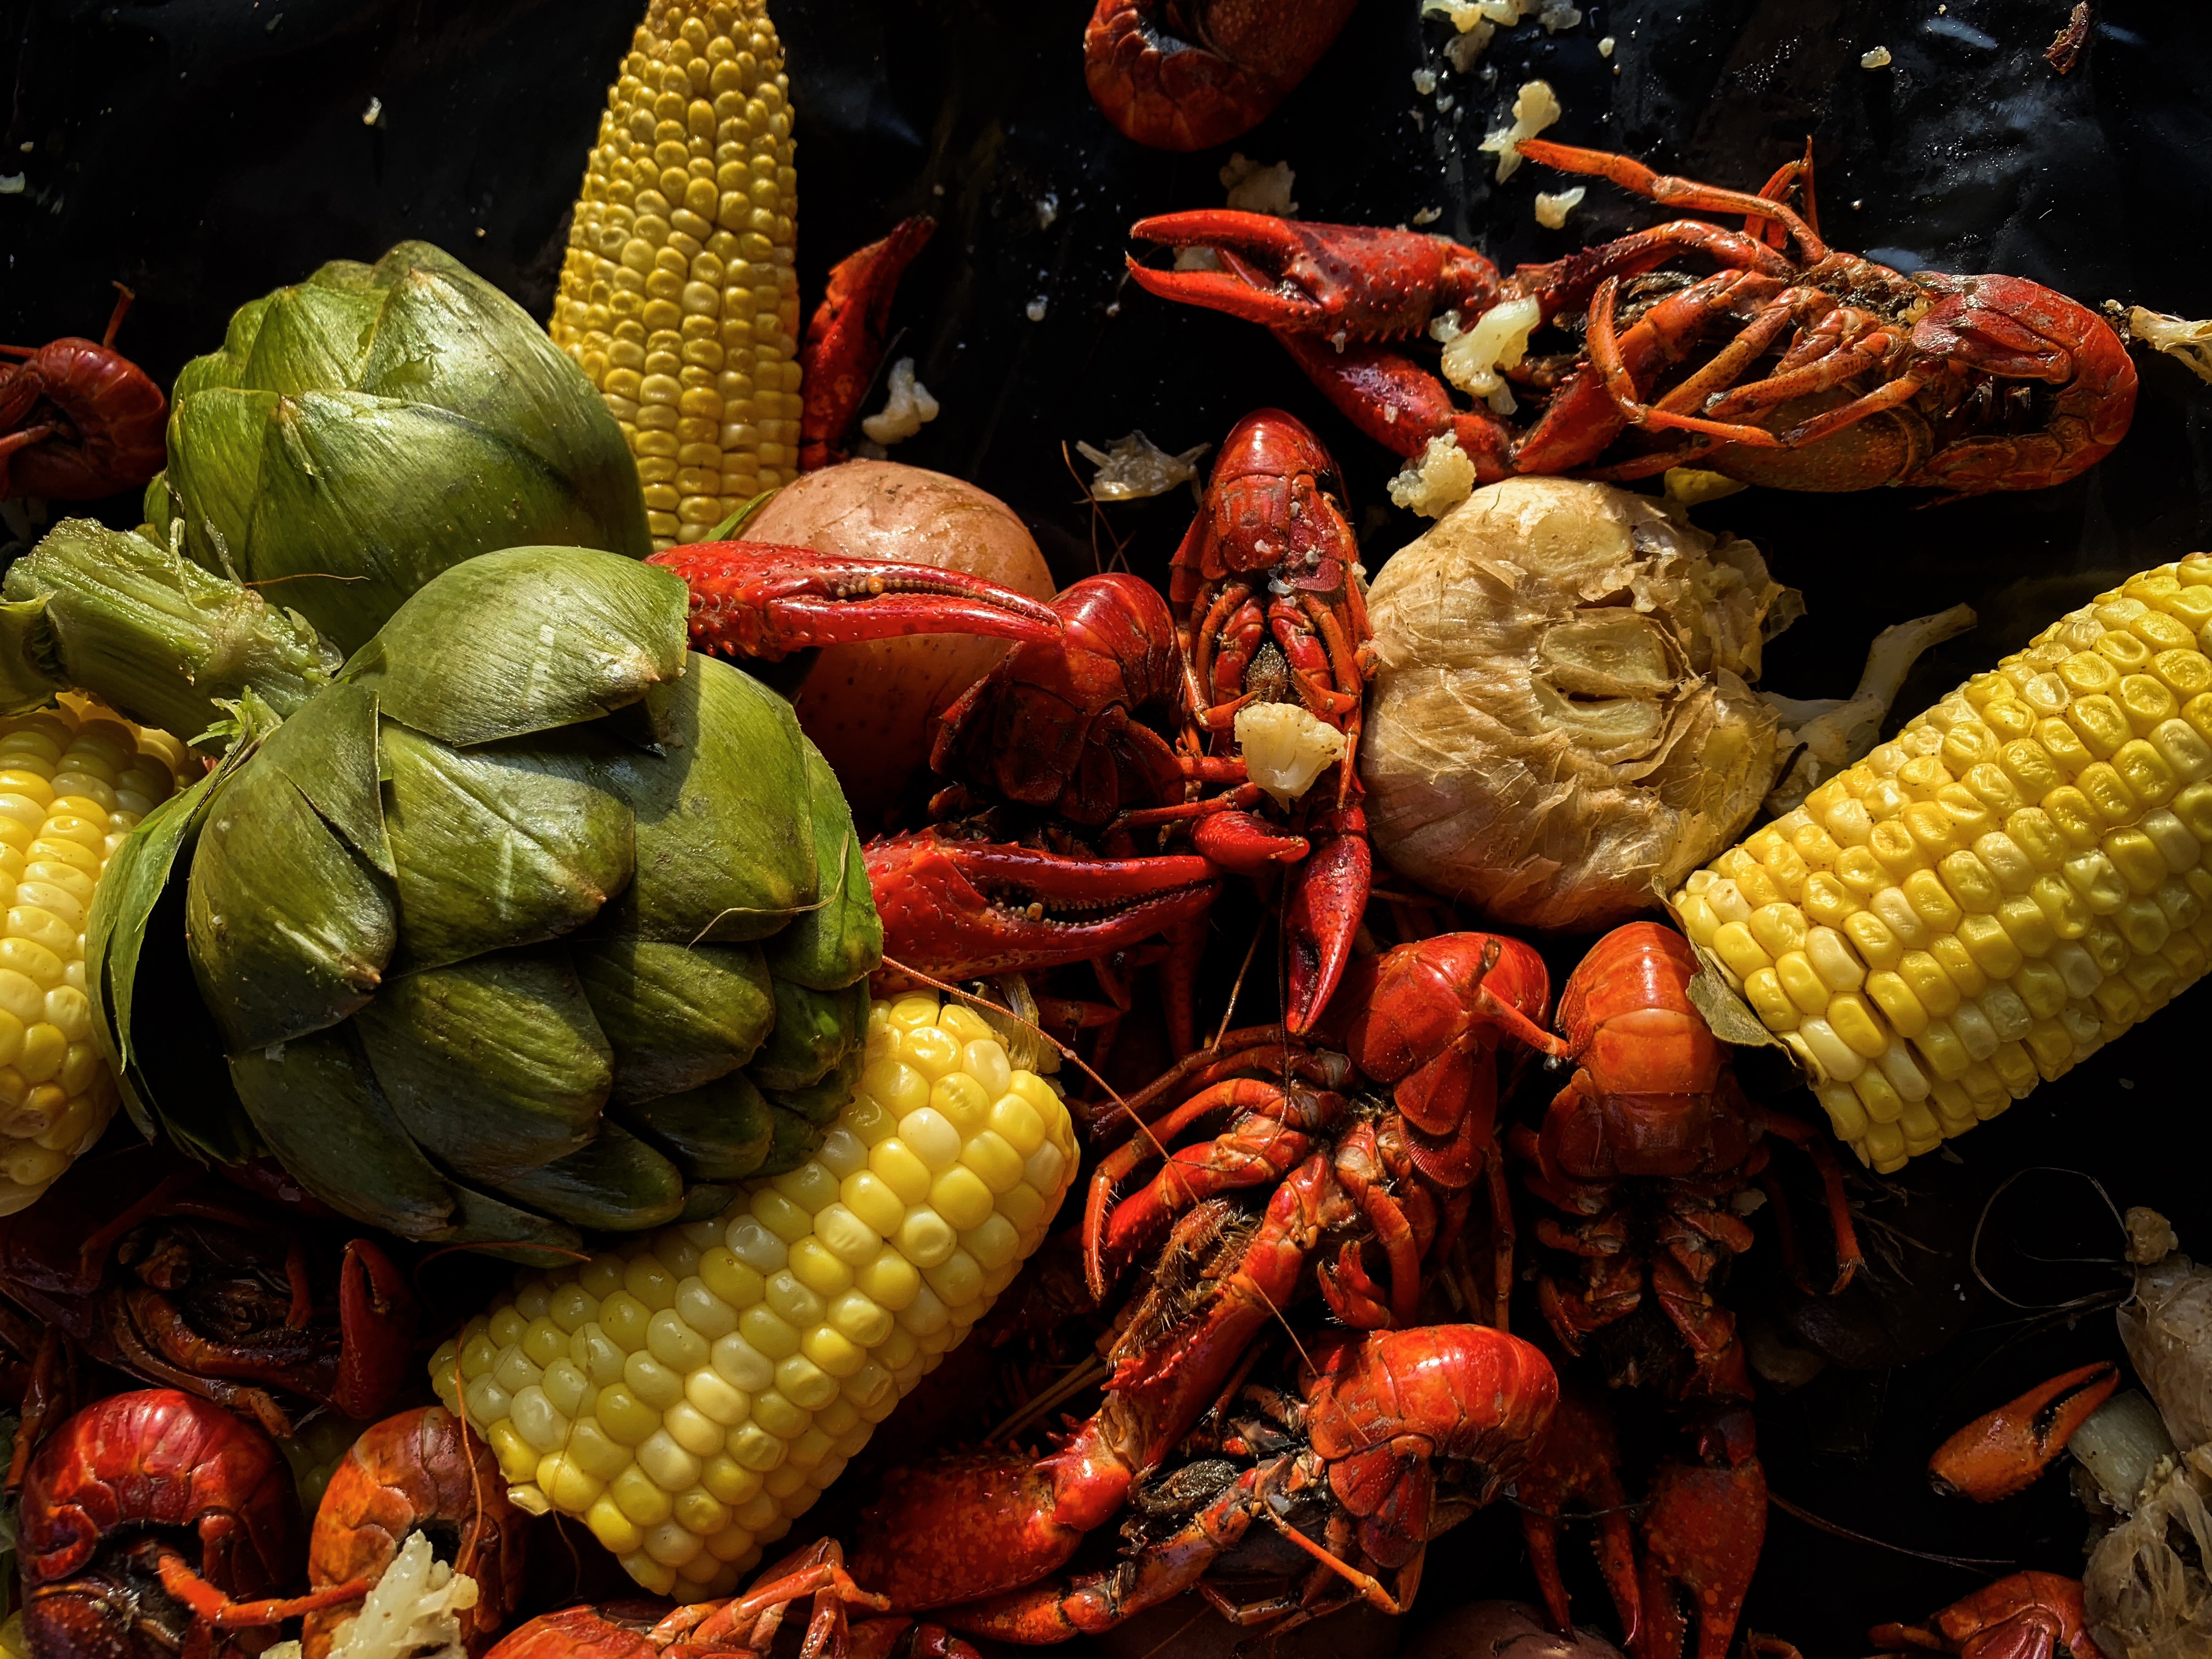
(1192, 74)
(421, 1471)
(1811, 369)
(743, 1627)
(846, 338)
(103, 1500)
(2027, 1615)
(78, 420)
(1392, 1436)
(1643, 1152)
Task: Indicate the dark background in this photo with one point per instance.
(205, 151)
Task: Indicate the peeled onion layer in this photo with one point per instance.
(1560, 726)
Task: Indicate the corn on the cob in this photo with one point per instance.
(689, 1393)
(73, 780)
(1990, 899)
(678, 297)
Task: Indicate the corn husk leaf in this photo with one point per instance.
(706, 874)
(501, 845)
(528, 640)
(495, 1066)
(676, 1016)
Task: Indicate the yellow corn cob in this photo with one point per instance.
(1990, 899)
(678, 297)
(690, 1393)
(73, 780)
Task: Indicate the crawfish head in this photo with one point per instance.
(1274, 504)
(105, 1492)
(960, 909)
(1384, 1406)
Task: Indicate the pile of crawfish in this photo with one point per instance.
(1300, 1244)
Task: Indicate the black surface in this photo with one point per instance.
(206, 150)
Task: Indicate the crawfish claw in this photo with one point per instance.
(1244, 843)
(961, 909)
(1322, 914)
(845, 339)
(376, 1326)
(758, 599)
(2002, 1452)
(1366, 282)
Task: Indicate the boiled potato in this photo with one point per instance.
(869, 707)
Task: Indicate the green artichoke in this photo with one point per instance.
(526, 920)
(376, 424)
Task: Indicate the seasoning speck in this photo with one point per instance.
(1878, 58)
(373, 113)
(1035, 309)
(1605, 47)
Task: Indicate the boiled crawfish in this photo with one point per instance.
(846, 340)
(1268, 585)
(2004, 1451)
(1644, 1151)
(1192, 74)
(150, 1265)
(1864, 376)
(743, 1627)
(103, 1498)
(421, 1471)
(1427, 1023)
(2027, 1615)
(77, 419)
(1393, 1436)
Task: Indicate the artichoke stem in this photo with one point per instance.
(147, 631)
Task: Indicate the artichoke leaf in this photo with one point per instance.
(677, 1015)
(821, 1100)
(225, 368)
(793, 1142)
(725, 829)
(362, 500)
(312, 338)
(218, 444)
(492, 1226)
(496, 846)
(290, 933)
(124, 905)
(614, 1183)
(494, 1065)
(316, 1102)
(448, 337)
(813, 1031)
(528, 640)
(721, 1131)
(329, 751)
(841, 938)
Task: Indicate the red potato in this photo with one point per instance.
(871, 707)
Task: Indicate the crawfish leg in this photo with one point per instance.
(1849, 1258)
(1607, 358)
(1633, 175)
(1729, 363)
(211, 1604)
(1567, 284)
